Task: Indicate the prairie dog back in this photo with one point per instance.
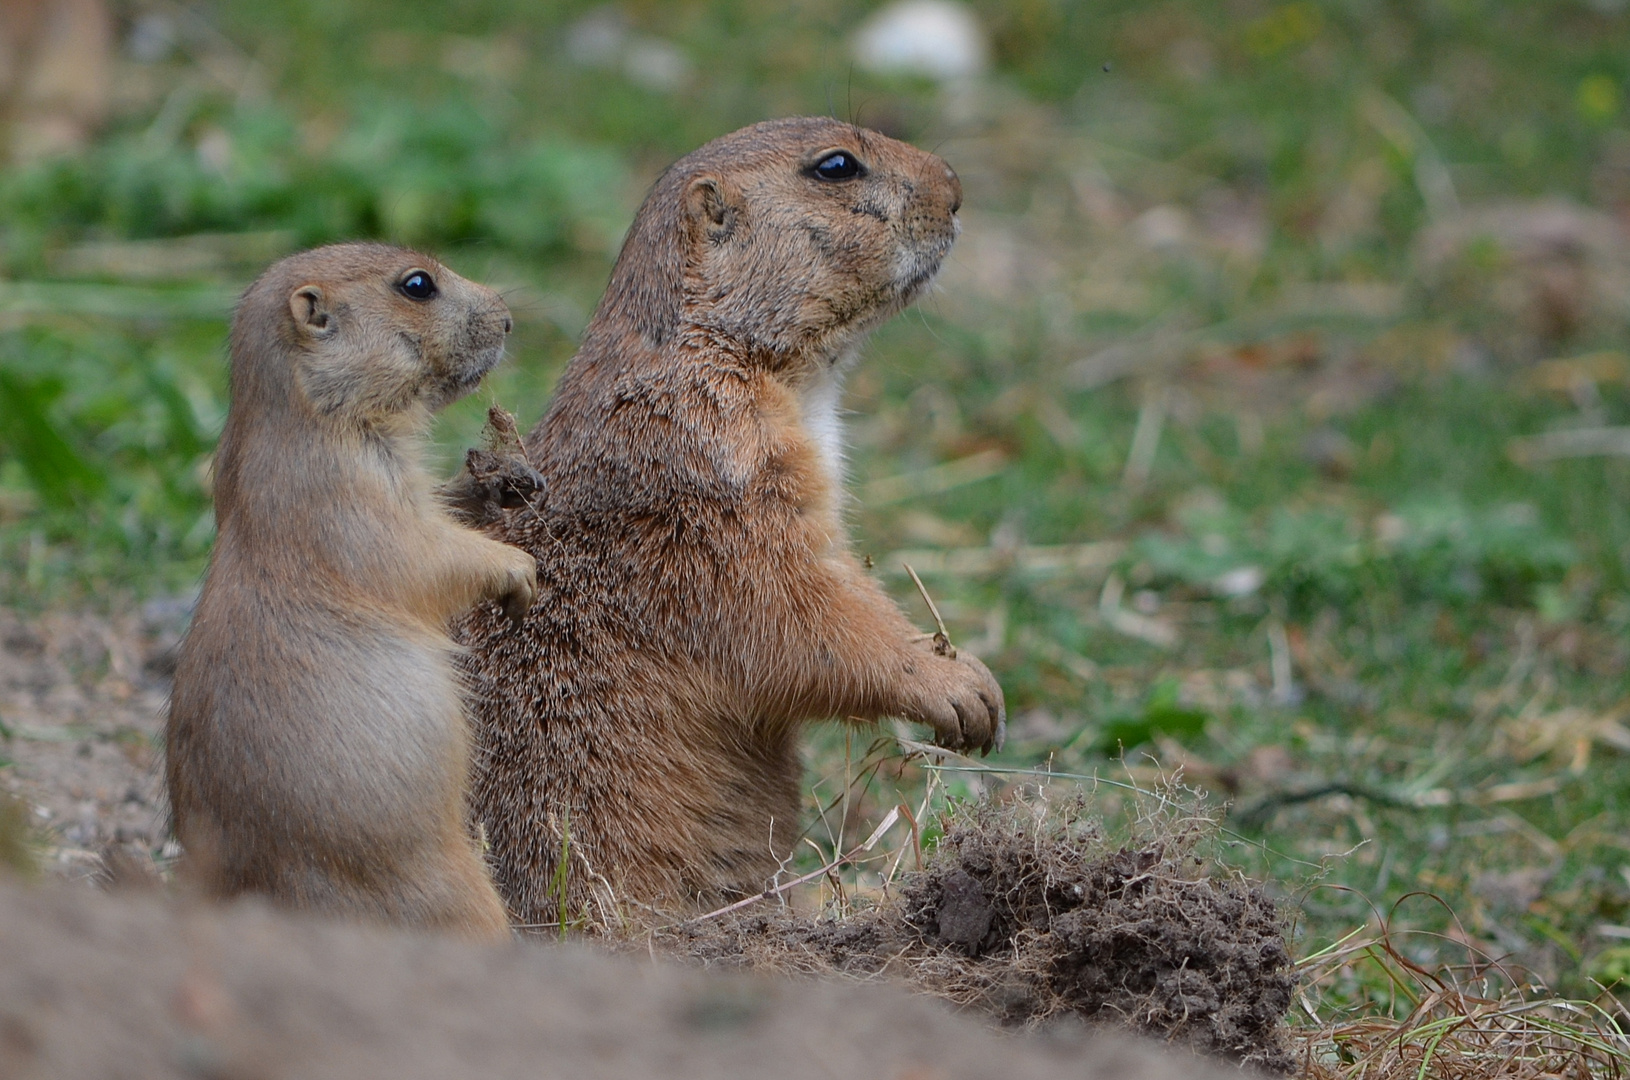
(318, 749)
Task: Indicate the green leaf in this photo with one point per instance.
(58, 472)
(1611, 967)
(1160, 714)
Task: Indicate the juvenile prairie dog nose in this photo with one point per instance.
(500, 307)
(506, 318)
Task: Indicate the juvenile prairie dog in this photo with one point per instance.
(318, 745)
(700, 600)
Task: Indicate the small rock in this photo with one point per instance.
(1329, 451)
(598, 38)
(656, 65)
(1240, 581)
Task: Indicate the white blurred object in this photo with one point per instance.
(1240, 581)
(1163, 227)
(937, 38)
(602, 39)
(152, 38)
(656, 64)
(598, 38)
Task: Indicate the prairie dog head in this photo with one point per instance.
(366, 332)
(793, 236)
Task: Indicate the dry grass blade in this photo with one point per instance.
(1456, 1035)
(1140, 459)
(1508, 1030)
(1574, 442)
(26, 301)
(942, 640)
(803, 879)
(177, 258)
(935, 479)
(1081, 560)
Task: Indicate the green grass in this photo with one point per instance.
(1423, 666)
(1337, 410)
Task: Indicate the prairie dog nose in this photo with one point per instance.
(956, 188)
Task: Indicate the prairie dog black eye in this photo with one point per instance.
(418, 285)
(840, 165)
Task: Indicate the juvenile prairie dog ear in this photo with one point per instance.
(309, 307)
(712, 208)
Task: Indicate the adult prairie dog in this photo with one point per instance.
(318, 750)
(700, 599)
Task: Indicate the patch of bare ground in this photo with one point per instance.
(82, 700)
(1026, 912)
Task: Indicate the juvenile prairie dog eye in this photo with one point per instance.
(838, 166)
(418, 285)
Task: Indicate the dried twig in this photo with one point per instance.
(1140, 459)
(937, 478)
(843, 860)
(1084, 560)
(942, 640)
(1571, 443)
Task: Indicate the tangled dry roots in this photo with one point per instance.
(1028, 913)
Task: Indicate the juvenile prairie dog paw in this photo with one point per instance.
(961, 701)
(518, 586)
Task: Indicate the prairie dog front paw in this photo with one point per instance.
(961, 700)
(518, 584)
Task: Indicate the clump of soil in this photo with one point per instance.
(1029, 913)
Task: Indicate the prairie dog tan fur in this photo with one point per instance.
(700, 597)
(318, 750)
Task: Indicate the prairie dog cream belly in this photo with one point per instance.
(386, 736)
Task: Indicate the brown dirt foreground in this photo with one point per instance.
(139, 985)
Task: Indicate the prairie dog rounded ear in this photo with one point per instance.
(711, 208)
(309, 307)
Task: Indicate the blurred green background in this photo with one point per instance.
(1266, 423)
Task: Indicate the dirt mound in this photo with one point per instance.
(1029, 914)
(137, 986)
